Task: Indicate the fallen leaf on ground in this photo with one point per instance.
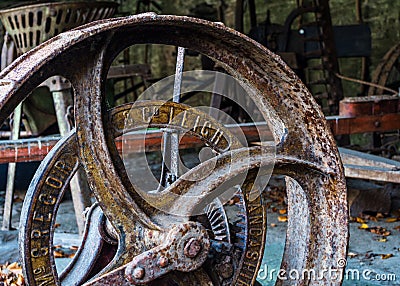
(380, 215)
(380, 230)
(372, 218)
(273, 224)
(11, 275)
(391, 219)
(352, 254)
(14, 265)
(386, 256)
(376, 230)
(283, 211)
(58, 254)
(360, 220)
(282, 218)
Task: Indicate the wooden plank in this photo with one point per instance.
(366, 166)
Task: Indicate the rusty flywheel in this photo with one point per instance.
(161, 236)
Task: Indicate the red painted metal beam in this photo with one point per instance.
(373, 123)
(27, 150)
(35, 149)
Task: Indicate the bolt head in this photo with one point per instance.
(138, 273)
(163, 262)
(225, 270)
(134, 273)
(192, 248)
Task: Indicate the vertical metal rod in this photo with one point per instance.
(180, 59)
(170, 165)
(8, 204)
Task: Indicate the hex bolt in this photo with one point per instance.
(225, 269)
(138, 273)
(163, 261)
(192, 248)
(134, 273)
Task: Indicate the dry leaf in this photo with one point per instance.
(363, 226)
(58, 254)
(386, 256)
(372, 218)
(380, 215)
(382, 239)
(11, 274)
(282, 218)
(283, 211)
(273, 224)
(397, 227)
(360, 220)
(14, 265)
(391, 219)
(352, 254)
(378, 230)
(20, 280)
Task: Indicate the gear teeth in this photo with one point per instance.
(240, 245)
(218, 221)
(220, 238)
(241, 225)
(243, 216)
(241, 235)
(220, 234)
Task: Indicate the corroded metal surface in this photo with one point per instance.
(306, 151)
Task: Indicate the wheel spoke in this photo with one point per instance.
(106, 183)
(316, 208)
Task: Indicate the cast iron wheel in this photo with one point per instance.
(305, 150)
